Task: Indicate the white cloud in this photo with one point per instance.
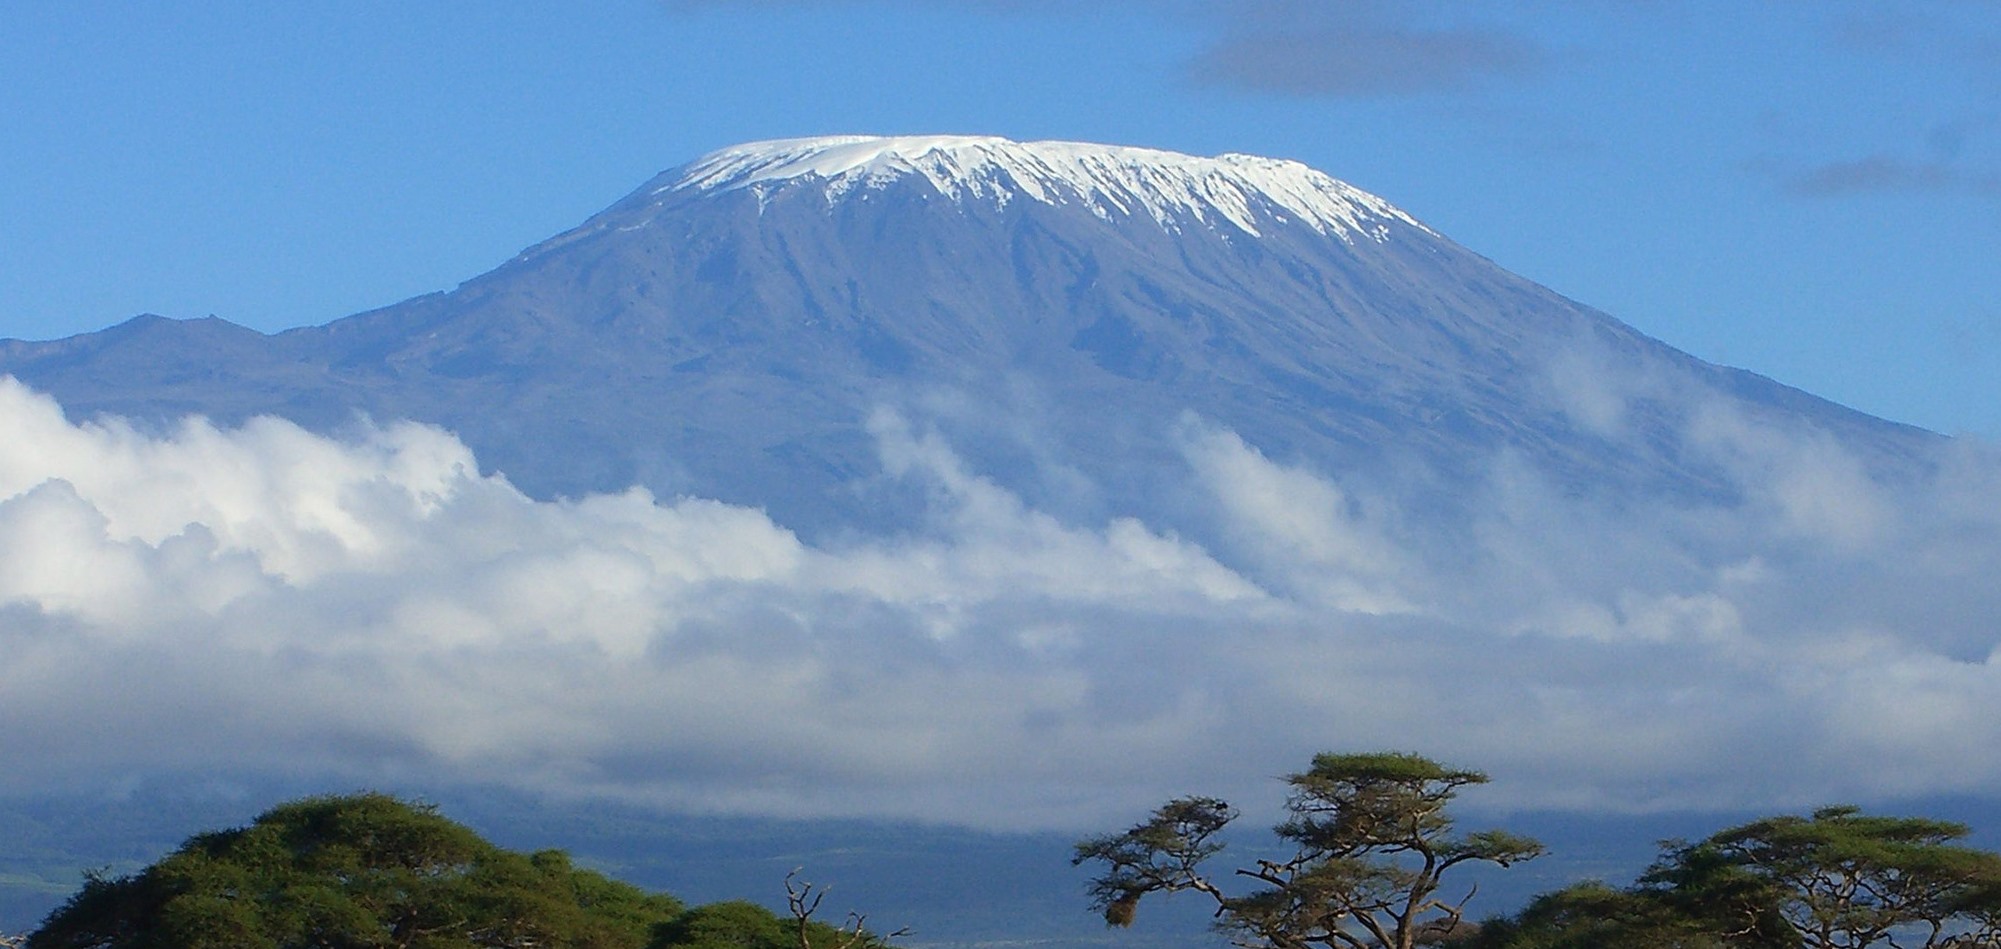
(1316, 541)
(263, 600)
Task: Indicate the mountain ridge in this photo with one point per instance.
(727, 328)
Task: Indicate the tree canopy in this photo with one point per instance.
(1842, 879)
(1371, 839)
(369, 871)
(1835, 879)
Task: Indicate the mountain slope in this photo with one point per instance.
(1053, 308)
(1384, 495)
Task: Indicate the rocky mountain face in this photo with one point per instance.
(1057, 312)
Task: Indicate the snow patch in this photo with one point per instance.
(1110, 180)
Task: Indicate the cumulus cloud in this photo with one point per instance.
(262, 600)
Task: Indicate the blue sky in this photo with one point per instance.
(1807, 188)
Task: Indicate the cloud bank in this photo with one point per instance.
(266, 601)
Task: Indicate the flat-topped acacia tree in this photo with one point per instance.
(1840, 879)
(1372, 843)
(1834, 879)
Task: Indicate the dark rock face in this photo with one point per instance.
(733, 342)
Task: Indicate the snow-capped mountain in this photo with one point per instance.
(1109, 474)
(1112, 181)
(1058, 312)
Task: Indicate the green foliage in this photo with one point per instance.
(735, 924)
(1372, 842)
(1592, 915)
(1162, 854)
(1841, 879)
(356, 872)
(1837, 879)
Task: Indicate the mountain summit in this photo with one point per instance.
(748, 326)
(1112, 181)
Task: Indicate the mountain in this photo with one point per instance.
(1488, 522)
(1055, 310)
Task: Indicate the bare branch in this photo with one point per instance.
(803, 899)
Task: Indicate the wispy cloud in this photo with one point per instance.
(1360, 49)
(1299, 47)
(1877, 173)
(1958, 46)
(1961, 31)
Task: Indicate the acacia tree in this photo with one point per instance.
(1841, 879)
(1371, 843)
(364, 871)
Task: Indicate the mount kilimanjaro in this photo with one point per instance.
(1057, 311)
(1089, 475)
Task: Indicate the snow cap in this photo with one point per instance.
(1111, 180)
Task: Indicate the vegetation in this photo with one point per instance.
(1592, 915)
(369, 871)
(1837, 879)
(1369, 837)
(1372, 844)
